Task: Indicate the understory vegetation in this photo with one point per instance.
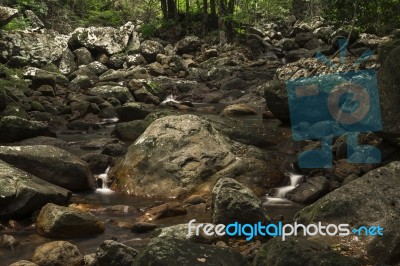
(204, 16)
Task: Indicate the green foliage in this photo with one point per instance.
(17, 24)
(377, 16)
(12, 78)
(103, 18)
(247, 11)
(149, 30)
(40, 7)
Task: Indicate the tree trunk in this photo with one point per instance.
(164, 9)
(187, 16)
(213, 24)
(225, 22)
(171, 9)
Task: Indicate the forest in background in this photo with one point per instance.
(201, 17)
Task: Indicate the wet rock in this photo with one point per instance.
(112, 253)
(101, 39)
(348, 204)
(49, 163)
(133, 111)
(143, 227)
(82, 125)
(98, 163)
(188, 44)
(249, 133)
(150, 49)
(106, 91)
(57, 253)
(343, 169)
(310, 191)
(49, 46)
(194, 200)
(57, 221)
(188, 151)
(115, 149)
(174, 251)
(233, 202)
(130, 131)
(238, 109)
(8, 242)
(165, 210)
(298, 251)
(13, 129)
(143, 95)
(170, 133)
(22, 193)
(98, 144)
(181, 231)
(277, 99)
(7, 14)
(23, 263)
(43, 141)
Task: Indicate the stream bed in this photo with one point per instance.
(119, 211)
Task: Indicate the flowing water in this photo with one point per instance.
(119, 211)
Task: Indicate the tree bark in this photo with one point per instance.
(171, 9)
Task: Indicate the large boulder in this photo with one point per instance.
(50, 163)
(112, 253)
(371, 200)
(298, 251)
(347, 204)
(35, 48)
(106, 40)
(150, 49)
(178, 153)
(13, 129)
(277, 99)
(175, 251)
(188, 44)
(57, 253)
(234, 202)
(133, 111)
(7, 14)
(389, 93)
(22, 193)
(57, 221)
(310, 191)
